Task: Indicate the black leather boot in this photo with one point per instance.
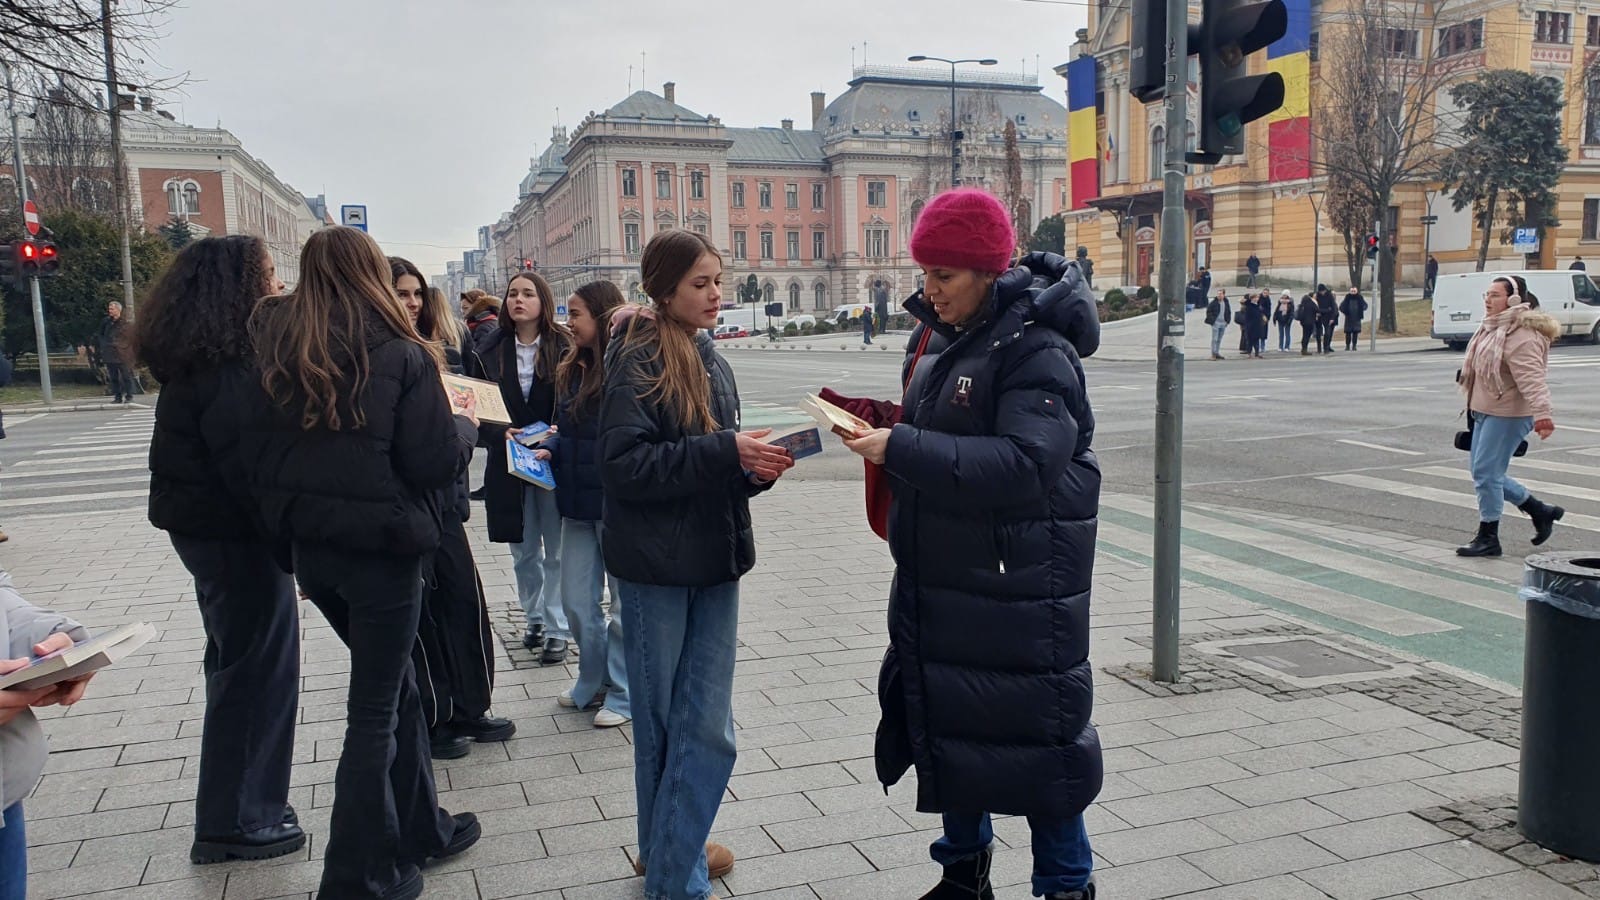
(1544, 516)
(966, 880)
(1487, 543)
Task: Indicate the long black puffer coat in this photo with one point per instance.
(987, 687)
(677, 500)
(495, 359)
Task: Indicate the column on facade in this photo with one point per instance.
(1124, 103)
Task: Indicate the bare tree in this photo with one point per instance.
(1377, 126)
(71, 159)
(62, 40)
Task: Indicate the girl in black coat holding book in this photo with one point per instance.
(192, 335)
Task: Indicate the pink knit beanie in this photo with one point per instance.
(964, 229)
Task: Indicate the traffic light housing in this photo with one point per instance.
(25, 261)
(1372, 246)
(49, 260)
(1147, 51)
(8, 264)
(1231, 30)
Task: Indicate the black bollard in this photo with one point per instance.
(1559, 781)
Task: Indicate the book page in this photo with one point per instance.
(491, 406)
(832, 417)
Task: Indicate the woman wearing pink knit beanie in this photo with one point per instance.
(986, 688)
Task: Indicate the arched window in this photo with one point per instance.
(794, 297)
(183, 197)
(768, 292)
(820, 295)
(1158, 151)
(191, 198)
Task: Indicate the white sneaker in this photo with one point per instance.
(565, 699)
(605, 718)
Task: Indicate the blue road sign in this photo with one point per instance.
(354, 216)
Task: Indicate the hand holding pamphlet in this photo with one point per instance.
(490, 406)
(525, 464)
(800, 443)
(80, 659)
(535, 434)
(834, 418)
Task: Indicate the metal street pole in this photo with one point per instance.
(955, 135)
(1169, 364)
(22, 201)
(1316, 241)
(124, 201)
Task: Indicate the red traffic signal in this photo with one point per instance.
(49, 260)
(30, 259)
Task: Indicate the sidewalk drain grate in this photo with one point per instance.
(1305, 658)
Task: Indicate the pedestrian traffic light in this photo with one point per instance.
(25, 261)
(1372, 246)
(1147, 52)
(1231, 30)
(49, 260)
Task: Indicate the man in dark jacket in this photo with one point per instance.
(1327, 318)
(1430, 277)
(1307, 317)
(1354, 308)
(1253, 267)
(1219, 315)
(113, 349)
(1205, 280)
(1086, 266)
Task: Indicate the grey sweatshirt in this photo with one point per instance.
(22, 744)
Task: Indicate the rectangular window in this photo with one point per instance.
(878, 193)
(1591, 219)
(1314, 45)
(791, 196)
(819, 245)
(1463, 37)
(740, 245)
(792, 245)
(877, 243)
(630, 238)
(1592, 36)
(816, 195)
(764, 193)
(1401, 43)
(663, 184)
(1552, 27)
(766, 245)
(738, 195)
(697, 185)
(630, 183)
(699, 228)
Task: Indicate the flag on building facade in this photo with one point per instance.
(1083, 160)
(1289, 126)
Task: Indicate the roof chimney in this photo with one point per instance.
(148, 104)
(125, 102)
(819, 101)
(670, 91)
(788, 124)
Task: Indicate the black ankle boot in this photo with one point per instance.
(966, 880)
(1544, 516)
(1487, 543)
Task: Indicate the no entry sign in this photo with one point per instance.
(30, 217)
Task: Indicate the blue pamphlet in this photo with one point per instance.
(534, 434)
(800, 444)
(520, 462)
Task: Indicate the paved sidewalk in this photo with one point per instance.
(1238, 784)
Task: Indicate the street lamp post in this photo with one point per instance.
(955, 133)
(1316, 238)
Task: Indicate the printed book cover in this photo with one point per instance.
(535, 434)
(800, 444)
(833, 418)
(491, 406)
(81, 658)
(521, 462)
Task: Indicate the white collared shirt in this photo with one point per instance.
(527, 360)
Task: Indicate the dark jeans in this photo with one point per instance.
(13, 855)
(1350, 339)
(1325, 339)
(1062, 861)
(386, 815)
(252, 668)
(120, 378)
(454, 653)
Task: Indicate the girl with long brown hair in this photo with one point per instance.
(678, 476)
(347, 445)
(454, 653)
(522, 355)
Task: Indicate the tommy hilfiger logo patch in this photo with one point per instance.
(963, 395)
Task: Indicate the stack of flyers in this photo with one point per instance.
(521, 462)
(535, 434)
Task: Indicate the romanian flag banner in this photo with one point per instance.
(1289, 127)
(1083, 161)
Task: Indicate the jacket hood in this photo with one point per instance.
(1044, 289)
(1543, 323)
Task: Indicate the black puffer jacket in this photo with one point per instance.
(193, 457)
(676, 507)
(378, 488)
(495, 359)
(575, 460)
(987, 687)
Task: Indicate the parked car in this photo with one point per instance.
(1570, 297)
(730, 331)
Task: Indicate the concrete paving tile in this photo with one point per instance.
(1381, 800)
(1180, 776)
(1471, 756)
(1155, 809)
(1297, 731)
(905, 849)
(906, 881)
(573, 870)
(1205, 746)
(803, 834)
(1382, 770)
(1208, 722)
(1287, 757)
(1522, 885)
(1157, 841)
(273, 881)
(1149, 880)
(93, 825)
(1381, 876)
(789, 781)
(1469, 860)
(109, 876)
(823, 751)
(764, 811)
(1372, 837)
(1264, 789)
(1271, 820)
(1388, 742)
(799, 867)
(1473, 785)
(1282, 887)
(1282, 855)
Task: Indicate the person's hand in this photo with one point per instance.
(871, 445)
(759, 458)
(58, 641)
(64, 693)
(542, 454)
(14, 701)
(1544, 428)
(469, 408)
(511, 433)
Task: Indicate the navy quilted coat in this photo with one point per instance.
(987, 687)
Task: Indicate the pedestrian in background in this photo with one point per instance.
(113, 349)
(574, 455)
(678, 476)
(1327, 318)
(1247, 330)
(866, 327)
(1086, 267)
(1205, 280)
(193, 337)
(1578, 265)
(481, 312)
(26, 632)
(1253, 267)
(995, 499)
(1219, 314)
(1309, 327)
(1430, 277)
(1283, 317)
(454, 652)
(348, 444)
(1354, 308)
(521, 355)
(1503, 378)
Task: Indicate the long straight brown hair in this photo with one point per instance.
(312, 342)
(585, 366)
(552, 337)
(683, 386)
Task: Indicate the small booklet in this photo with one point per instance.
(491, 406)
(81, 658)
(833, 418)
(800, 443)
(535, 434)
(520, 462)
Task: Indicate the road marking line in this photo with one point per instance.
(1576, 428)
(116, 457)
(94, 482)
(18, 421)
(1448, 498)
(1381, 447)
(1547, 487)
(1549, 465)
(85, 470)
(72, 498)
(94, 448)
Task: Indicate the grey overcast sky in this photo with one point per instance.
(428, 112)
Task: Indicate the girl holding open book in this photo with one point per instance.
(678, 477)
(348, 442)
(454, 654)
(192, 335)
(521, 355)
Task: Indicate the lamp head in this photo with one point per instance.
(918, 58)
(988, 62)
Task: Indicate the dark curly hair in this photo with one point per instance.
(194, 317)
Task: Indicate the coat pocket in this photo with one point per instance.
(892, 744)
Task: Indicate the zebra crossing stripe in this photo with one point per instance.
(1448, 498)
(1545, 487)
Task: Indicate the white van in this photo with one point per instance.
(1570, 297)
(850, 312)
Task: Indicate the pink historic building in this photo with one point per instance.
(821, 215)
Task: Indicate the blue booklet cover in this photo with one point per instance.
(535, 434)
(800, 444)
(521, 463)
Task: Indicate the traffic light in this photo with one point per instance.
(1147, 52)
(26, 261)
(1231, 30)
(1372, 246)
(8, 264)
(49, 260)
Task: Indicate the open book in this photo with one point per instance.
(81, 658)
(833, 418)
(491, 406)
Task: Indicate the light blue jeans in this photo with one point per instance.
(537, 563)
(1062, 861)
(1283, 337)
(1494, 439)
(13, 855)
(681, 644)
(1217, 331)
(602, 659)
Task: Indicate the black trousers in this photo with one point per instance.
(120, 378)
(252, 667)
(1306, 333)
(1325, 339)
(386, 816)
(1350, 339)
(454, 651)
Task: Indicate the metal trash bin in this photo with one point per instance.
(1558, 804)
